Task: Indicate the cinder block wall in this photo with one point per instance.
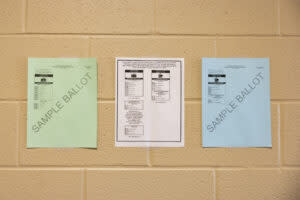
(150, 28)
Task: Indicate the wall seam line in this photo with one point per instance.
(83, 184)
(18, 134)
(278, 17)
(215, 46)
(279, 135)
(25, 16)
(148, 155)
(146, 35)
(155, 17)
(214, 185)
(89, 47)
(144, 168)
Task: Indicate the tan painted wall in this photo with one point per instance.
(164, 28)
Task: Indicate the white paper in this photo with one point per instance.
(149, 102)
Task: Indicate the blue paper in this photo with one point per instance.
(236, 102)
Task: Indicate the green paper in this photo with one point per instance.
(62, 102)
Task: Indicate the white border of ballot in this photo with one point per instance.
(236, 102)
(149, 102)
